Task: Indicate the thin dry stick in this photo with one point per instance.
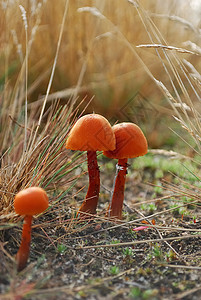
(183, 191)
(157, 230)
(176, 238)
(6, 252)
(182, 267)
(144, 218)
(20, 125)
(187, 293)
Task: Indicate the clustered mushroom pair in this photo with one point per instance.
(93, 133)
(90, 133)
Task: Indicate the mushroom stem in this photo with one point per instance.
(23, 252)
(90, 202)
(115, 208)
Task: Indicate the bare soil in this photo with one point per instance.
(62, 267)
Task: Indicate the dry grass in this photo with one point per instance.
(88, 44)
(141, 60)
(47, 164)
(103, 57)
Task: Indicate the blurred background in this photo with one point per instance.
(99, 57)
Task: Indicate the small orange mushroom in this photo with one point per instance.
(28, 202)
(130, 142)
(91, 133)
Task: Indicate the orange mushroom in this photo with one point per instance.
(28, 202)
(130, 142)
(91, 133)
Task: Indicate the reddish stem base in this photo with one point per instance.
(23, 252)
(90, 202)
(115, 209)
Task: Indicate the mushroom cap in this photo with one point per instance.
(91, 132)
(130, 142)
(31, 201)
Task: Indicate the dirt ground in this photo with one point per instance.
(101, 259)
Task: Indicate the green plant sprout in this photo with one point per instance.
(128, 251)
(138, 294)
(156, 253)
(148, 207)
(178, 210)
(61, 248)
(115, 242)
(114, 270)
